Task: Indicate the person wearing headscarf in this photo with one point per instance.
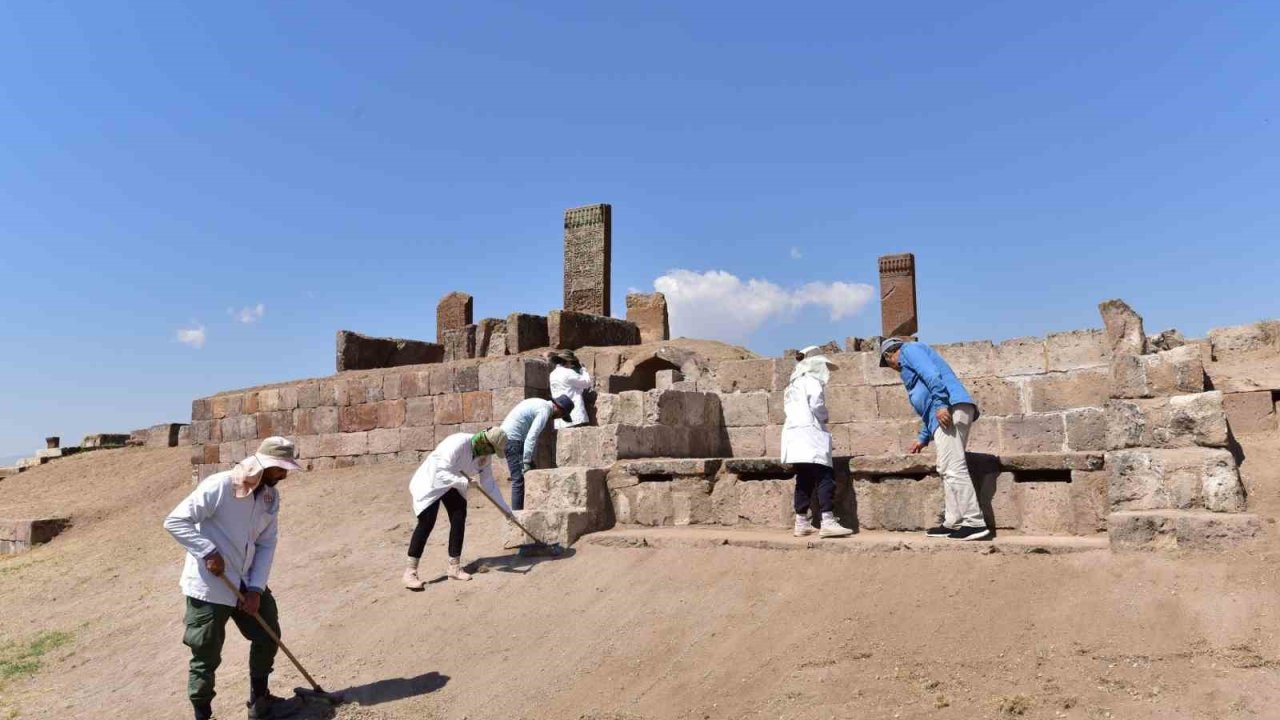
(947, 410)
(806, 446)
(442, 479)
(228, 527)
(569, 379)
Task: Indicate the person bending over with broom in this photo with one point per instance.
(228, 526)
(443, 479)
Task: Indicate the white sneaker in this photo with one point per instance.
(832, 527)
(803, 526)
(455, 571)
(411, 579)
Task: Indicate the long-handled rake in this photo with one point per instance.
(315, 690)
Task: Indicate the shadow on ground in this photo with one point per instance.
(376, 693)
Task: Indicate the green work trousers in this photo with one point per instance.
(206, 629)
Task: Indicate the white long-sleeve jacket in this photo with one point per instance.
(804, 435)
(449, 467)
(565, 381)
(242, 530)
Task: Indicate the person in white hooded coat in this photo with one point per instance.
(806, 446)
(443, 479)
(571, 380)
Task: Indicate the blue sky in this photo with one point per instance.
(165, 166)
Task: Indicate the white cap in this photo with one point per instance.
(277, 451)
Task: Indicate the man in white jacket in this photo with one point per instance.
(806, 445)
(228, 527)
(571, 380)
(460, 459)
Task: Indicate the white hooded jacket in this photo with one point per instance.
(804, 434)
(565, 381)
(449, 467)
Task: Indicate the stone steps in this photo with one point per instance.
(1181, 529)
(863, 542)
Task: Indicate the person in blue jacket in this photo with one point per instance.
(947, 410)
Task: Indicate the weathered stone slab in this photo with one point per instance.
(454, 312)
(1251, 412)
(1067, 390)
(1052, 461)
(588, 247)
(362, 352)
(898, 503)
(1261, 338)
(898, 313)
(967, 359)
(1086, 429)
(1123, 328)
(1076, 350)
(768, 503)
(1034, 433)
(1165, 340)
(549, 526)
(994, 396)
(491, 337)
(104, 440)
(572, 330)
(673, 466)
(745, 409)
(570, 488)
(1173, 372)
(460, 344)
(748, 442)
(526, 332)
(745, 375)
(898, 465)
(649, 313)
(691, 501)
(1181, 530)
(1176, 479)
(1167, 422)
(21, 535)
(758, 466)
(857, 403)
(1020, 356)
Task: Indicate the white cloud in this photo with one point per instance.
(796, 254)
(193, 336)
(719, 305)
(249, 314)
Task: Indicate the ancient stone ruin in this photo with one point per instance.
(1098, 434)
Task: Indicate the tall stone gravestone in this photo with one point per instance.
(898, 295)
(453, 313)
(588, 237)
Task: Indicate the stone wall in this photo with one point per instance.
(396, 414)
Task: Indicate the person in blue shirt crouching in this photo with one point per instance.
(947, 410)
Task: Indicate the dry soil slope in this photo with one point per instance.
(627, 633)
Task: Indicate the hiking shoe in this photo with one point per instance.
(969, 533)
(803, 526)
(832, 527)
(455, 571)
(939, 532)
(270, 707)
(411, 579)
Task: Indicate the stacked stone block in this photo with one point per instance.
(391, 415)
(562, 504)
(1172, 480)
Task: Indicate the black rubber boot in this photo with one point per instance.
(203, 711)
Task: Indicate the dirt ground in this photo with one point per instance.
(607, 633)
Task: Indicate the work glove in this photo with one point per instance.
(528, 466)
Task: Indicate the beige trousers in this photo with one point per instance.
(962, 507)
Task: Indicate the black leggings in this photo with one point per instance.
(456, 506)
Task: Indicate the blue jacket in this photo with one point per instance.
(930, 384)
